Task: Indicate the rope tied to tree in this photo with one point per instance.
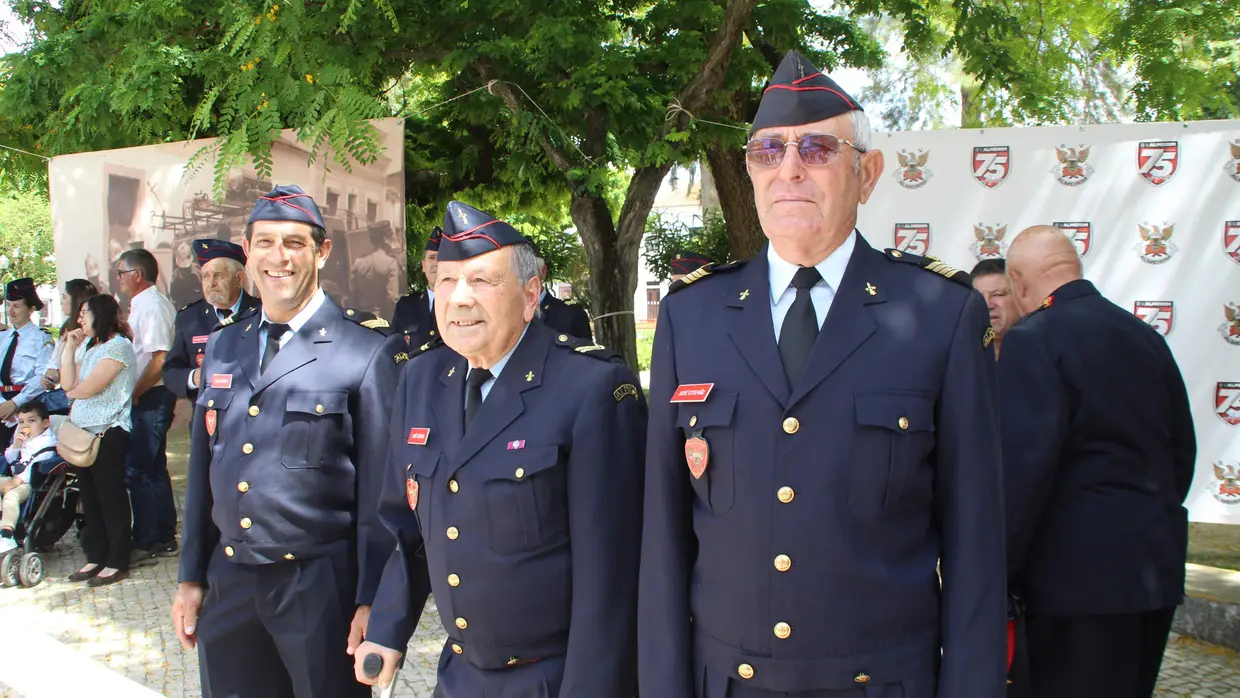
(675, 109)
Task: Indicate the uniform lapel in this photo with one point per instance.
(450, 407)
(505, 403)
(247, 354)
(750, 326)
(305, 345)
(849, 323)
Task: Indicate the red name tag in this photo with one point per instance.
(696, 392)
(418, 436)
(201, 338)
(221, 380)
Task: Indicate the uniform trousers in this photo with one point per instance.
(105, 503)
(457, 678)
(279, 630)
(718, 685)
(1108, 656)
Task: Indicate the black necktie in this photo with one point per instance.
(473, 393)
(224, 313)
(800, 328)
(275, 330)
(6, 369)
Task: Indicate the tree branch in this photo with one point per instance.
(512, 100)
(711, 74)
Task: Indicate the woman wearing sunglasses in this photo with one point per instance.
(821, 438)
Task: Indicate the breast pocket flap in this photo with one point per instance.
(215, 398)
(718, 411)
(899, 412)
(321, 402)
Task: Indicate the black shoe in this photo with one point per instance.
(80, 576)
(141, 557)
(110, 579)
(167, 549)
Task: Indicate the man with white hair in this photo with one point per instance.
(1098, 457)
(822, 438)
(223, 296)
(515, 478)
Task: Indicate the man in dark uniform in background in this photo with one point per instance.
(515, 475)
(685, 262)
(565, 317)
(286, 459)
(415, 313)
(224, 295)
(377, 276)
(804, 485)
(990, 279)
(1098, 457)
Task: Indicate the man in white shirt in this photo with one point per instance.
(151, 317)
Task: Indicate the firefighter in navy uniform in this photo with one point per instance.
(1099, 449)
(414, 314)
(685, 262)
(224, 295)
(822, 437)
(563, 316)
(26, 349)
(515, 476)
(288, 441)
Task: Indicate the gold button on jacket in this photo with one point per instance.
(791, 425)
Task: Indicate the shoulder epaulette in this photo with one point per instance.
(242, 314)
(582, 346)
(433, 344)
(701, 273)
(571, 301)
(369, 320)
(933, 264)
(187, 306)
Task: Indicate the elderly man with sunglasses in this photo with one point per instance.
(823, 507)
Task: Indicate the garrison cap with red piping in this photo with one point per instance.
(798, 94)
(287, 202)
(468, 232)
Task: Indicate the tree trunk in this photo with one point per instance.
(613, 279)
(727, 166)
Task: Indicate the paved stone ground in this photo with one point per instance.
(126, 627)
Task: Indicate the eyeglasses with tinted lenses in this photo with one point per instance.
(815, 149)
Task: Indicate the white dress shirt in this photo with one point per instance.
(821, 295)
(316, 302)
(498, 368)
(151, 317)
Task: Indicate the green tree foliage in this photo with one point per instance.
(26, 236)
(707, 235)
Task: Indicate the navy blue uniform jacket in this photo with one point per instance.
(1099, 451)
(805, 556)
(193, 326)
(414, 317)
(566, 318)
(294, 466)
(530, 523)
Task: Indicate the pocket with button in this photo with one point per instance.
(525, 498)
(312, 423)
(893, 438)
(713, 421)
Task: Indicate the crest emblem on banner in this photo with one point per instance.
(1158, 161)
(1157, 314)
(913, 238)
(1232, 168)
(1231, 240)
(912, 172)
(1227, 402)
(1081, 233)
(1072, 168)
(990, 244)
(1155, 246)
(1226, 485)
(1230, 330)
(991, 164)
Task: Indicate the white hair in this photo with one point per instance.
(526, 265)
(860, 136)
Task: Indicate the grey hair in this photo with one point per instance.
(233, 265)
(860, 136)
(526, 263)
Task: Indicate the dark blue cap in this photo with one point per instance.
(468, 232)
(208, 249)
(23, 289)
(800, 94)
(287, 203)
(684, 262)
(432, 241)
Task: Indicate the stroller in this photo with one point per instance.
(46, 517)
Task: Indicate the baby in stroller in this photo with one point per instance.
(33, 443)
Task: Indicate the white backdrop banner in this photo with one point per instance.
(1154, 210)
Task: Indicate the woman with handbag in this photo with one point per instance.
(97, 372)
(76, 293)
